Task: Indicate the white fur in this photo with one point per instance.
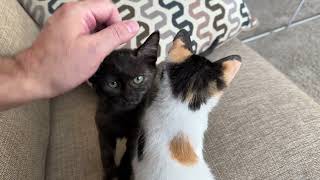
(164, 119)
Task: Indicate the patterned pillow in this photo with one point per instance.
(203, 19)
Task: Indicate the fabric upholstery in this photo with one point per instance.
(295, 52)
(74, 151)
(24, 140)
(24, 131)
(17, 29)
(264, 128)
(203, 19)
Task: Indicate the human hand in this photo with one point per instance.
(68, 51)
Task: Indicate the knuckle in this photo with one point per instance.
(111, 5)
(50, 21)
(116, 32)
(105, 1)
(69, 4)
(67, 7)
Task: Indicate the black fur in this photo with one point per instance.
(195, 74)
(141, 144)
(120, 108)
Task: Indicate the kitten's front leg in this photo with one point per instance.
(108, 145)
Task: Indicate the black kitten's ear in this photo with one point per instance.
(92, 80)
(149, 49)
(230, 66)
(181, 47)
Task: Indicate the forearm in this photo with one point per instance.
(61, 59)
(15, 85)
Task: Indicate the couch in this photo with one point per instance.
(265, 127)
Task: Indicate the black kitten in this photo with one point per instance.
(124, 83)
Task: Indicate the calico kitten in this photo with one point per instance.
(124, 83)
(170, 143)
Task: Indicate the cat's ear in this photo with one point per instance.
(230, 66)
(181, 47)
(227, 69)
(149, 49)
(92, 80)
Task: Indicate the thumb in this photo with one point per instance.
(113, 36)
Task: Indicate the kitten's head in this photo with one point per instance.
(125, 76)
(193, 78)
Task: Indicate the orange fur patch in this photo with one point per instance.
(182, 151)
(178, 52)
(230, 69)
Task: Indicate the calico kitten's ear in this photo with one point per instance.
(149, 49)
(181, 47)
(227, 68)
(211, 48)
(230, 66)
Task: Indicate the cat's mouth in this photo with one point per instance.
(124, 103)
(129, 103)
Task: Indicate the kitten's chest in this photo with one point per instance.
(119, 124)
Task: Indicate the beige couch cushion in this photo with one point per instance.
(24, 131)
(264, 128)
(17, 30)
(73, 151)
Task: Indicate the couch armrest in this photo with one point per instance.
(24, 131)
(265, 127)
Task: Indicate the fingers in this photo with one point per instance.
(104, 11)
(91, 12)
(113, 36)
(114, 18)
(117, 32)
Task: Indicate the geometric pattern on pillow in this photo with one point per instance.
(205, 20)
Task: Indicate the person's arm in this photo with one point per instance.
(65, 54)
(15, 87)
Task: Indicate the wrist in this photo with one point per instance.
(29, 76)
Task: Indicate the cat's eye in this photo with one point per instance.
(113, 84)
(138, 79)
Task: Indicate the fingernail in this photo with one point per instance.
(132, 26)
